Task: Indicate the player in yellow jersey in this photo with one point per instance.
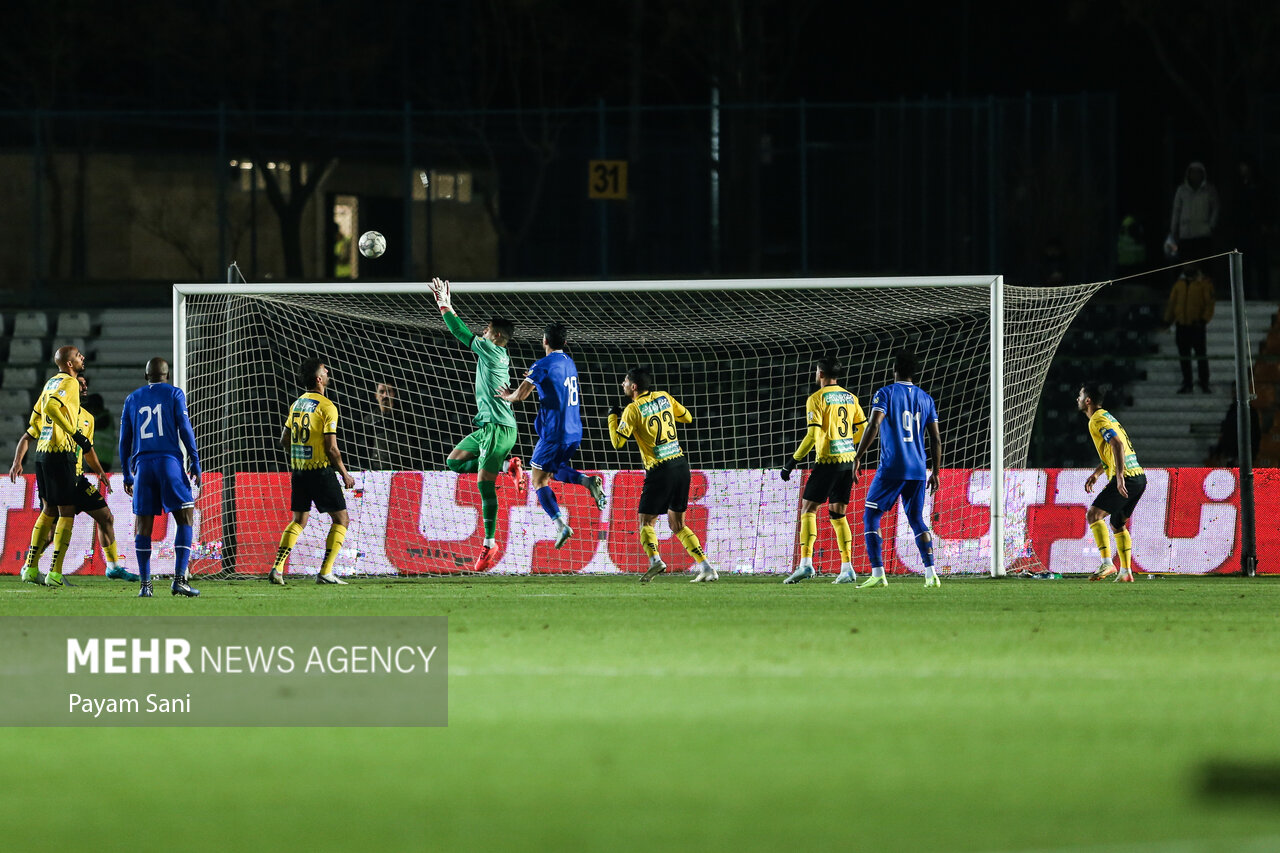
(834, 422)
(650, 417)
(1126, 484)
(88, 499)
(54, 423)
(311, 437)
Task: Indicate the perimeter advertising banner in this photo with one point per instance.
(411, 522)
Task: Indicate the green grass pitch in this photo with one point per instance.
(600, 714)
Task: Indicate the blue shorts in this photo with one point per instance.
(884, 492)
(551, 456)
(160, 486)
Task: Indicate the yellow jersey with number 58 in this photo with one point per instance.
(840, 420)
(651, 420)
(312, 417)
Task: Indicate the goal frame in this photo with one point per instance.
(994, 284)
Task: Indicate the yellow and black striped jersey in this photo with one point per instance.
(651, 420)
(839, 421)
(55, 415)
(311, 418)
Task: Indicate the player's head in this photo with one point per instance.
(827, 368)
(69, 359)
(905, 365)
(385, 394)
(500, 330)
(84, 386)
(1090, 396)
(637, 381)
(313, 375)
(554, 335)
(157, 370)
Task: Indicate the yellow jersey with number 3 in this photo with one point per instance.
(840, 420)
(651, 420)
(312, 417)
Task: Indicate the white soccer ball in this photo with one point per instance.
(372, 244)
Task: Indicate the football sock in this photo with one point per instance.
(871, 526)
(287, 540)
(570, 475)
(489, 507)
(1124, 545)
(39, 534)
(689, 540)
(464, 466)
(844, 537)
(808, 534)
(112, 553)
(61, 541)
(181, 551)
(547, 500)
(1101, 538)
(142, 553)
(924, 543)
(649, 541)
(332, 545)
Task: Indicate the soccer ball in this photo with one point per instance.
(372, 244)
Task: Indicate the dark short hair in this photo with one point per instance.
(556, 334)
(642, 377)
(503, 326)
(1093, 390)
(308, 371)
(905, 364)
(830, 367)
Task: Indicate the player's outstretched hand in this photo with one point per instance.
(15, 472)
(348, 481)
(128, 489)
(443, 297)
(933, 483)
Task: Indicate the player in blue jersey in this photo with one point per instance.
(154, 431)
(906, 411)
(559, 426)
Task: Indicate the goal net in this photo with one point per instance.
(738, 354)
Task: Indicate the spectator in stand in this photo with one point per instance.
(1227, 449)
(1189, 310)
(1195, 215)
(1131, 246)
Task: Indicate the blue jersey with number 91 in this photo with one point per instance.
(555, 377)
(907, 411)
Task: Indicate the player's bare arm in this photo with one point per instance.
(19, 453)
(335, 458)
(935, 441)
(520, 393)
(1117, 454)
(868, 435)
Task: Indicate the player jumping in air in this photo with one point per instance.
(88, 499)
(1121, 494)
(559, 427)
(650, 417)
(835, 422)
(485, 451)
(311, 437)
(905, 410)
(154, 430)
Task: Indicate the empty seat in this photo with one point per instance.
(73, 324)
(30, 324)
(14, 401)
(19, 377)
(26, 351)
(11, 425)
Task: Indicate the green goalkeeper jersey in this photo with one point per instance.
(493, 373)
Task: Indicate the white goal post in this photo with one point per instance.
(739, 353)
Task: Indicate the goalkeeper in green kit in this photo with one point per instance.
(485, 451)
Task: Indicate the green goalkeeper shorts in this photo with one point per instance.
(492, 443)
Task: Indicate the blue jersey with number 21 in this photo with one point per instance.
(908, 410)
(154, 422)
(555, 377)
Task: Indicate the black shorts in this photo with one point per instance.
(319, 487)
(666, 487)
(829, 481)
(56, 478)
(88, 498)
(1116, 505)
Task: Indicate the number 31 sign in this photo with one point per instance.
(607, 179)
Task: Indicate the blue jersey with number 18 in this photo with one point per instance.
(907, 411)
(555, 377)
